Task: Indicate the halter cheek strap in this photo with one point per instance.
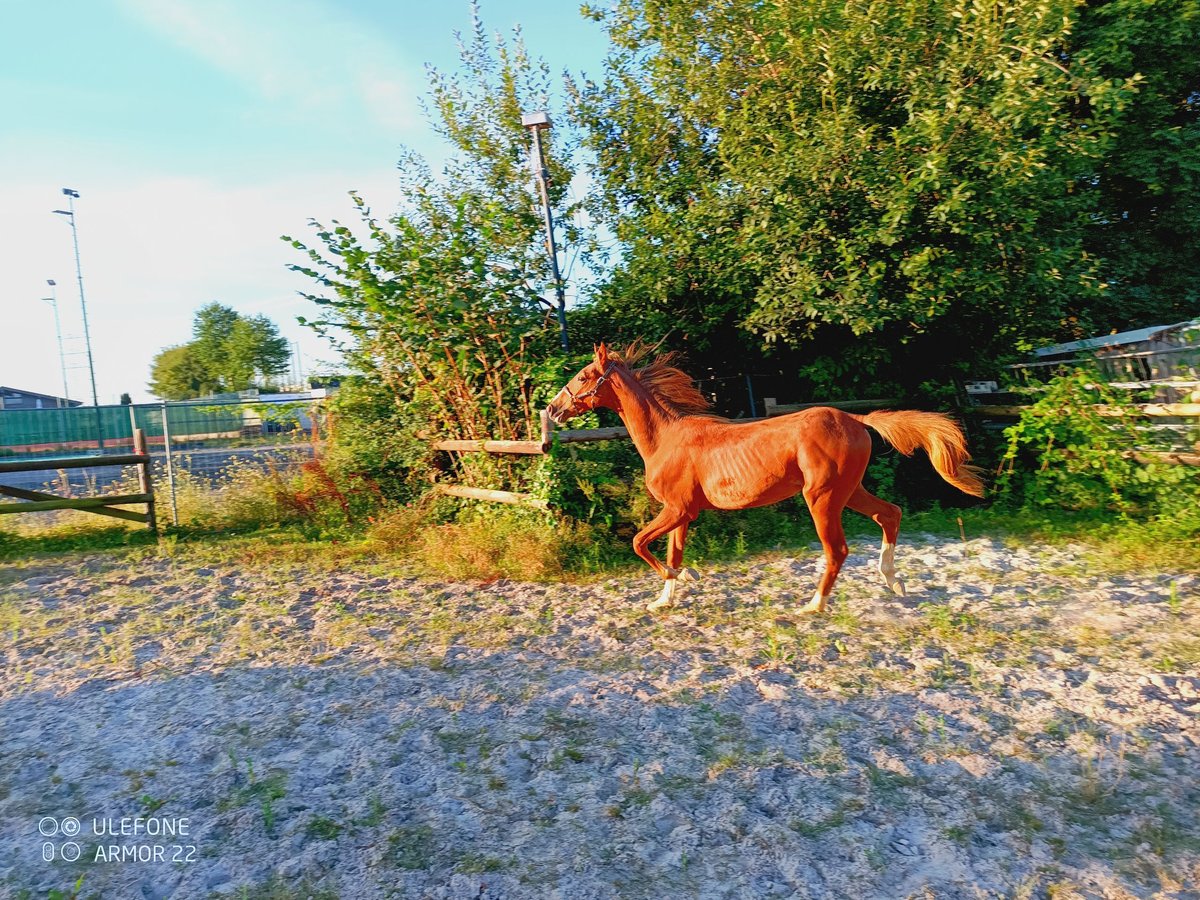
(575, 398)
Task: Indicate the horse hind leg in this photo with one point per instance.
(675, 543)
(886, 516)
(827, 516)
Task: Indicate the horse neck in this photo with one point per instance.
(644, 416)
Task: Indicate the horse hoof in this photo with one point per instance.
(812, 609)
(687, 573)
(659, 604)
(898, 588)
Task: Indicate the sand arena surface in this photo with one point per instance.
(1016, 727)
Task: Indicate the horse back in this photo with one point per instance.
(723, 464)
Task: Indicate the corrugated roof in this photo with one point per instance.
(1108, 340)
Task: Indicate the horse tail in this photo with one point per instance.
(938, 435)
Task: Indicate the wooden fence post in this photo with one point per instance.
(144, 480)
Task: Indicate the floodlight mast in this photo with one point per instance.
(72, 195)
(62, 359)
(537, 122)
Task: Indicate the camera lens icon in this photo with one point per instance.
(70, 851)
(48, 826)
(70, 826)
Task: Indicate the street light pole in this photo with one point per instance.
(62, 359)
(537, 122)
(72, 195)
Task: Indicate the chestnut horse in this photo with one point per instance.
(698, 461)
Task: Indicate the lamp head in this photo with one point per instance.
(539, 119)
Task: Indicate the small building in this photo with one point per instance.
(15, 398)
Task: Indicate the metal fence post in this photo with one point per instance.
(170, 465)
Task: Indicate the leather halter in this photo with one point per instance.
(575, 398)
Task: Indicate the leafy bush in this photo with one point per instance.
(372, 438)
(1071, 449)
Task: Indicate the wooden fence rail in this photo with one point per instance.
(531, 448)
(103, 506)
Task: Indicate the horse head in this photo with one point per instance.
(587, 390)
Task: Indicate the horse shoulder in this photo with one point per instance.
(671, 469)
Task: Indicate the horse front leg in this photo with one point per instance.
(675, 541)
(668, 520)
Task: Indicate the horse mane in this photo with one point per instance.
(669, 384)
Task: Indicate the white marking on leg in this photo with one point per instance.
(818, 604)
(666, 598)
(887, 568)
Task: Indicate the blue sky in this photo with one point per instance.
(197, 132)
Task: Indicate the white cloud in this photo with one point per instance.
(294, 52)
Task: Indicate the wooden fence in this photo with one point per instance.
(538, 447)
(1154, 411)
(103, 506)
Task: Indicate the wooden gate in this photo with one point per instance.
(102, 506)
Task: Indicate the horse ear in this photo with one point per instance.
(602, 354)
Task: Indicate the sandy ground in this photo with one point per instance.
(1015, 727)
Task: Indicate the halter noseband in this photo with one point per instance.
(575, 398)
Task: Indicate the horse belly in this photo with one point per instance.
(740, 480)
(748, 496)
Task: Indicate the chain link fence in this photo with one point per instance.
(193, 442)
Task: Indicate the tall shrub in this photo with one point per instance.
(1078, 447)
(443, 303)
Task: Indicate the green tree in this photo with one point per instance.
(1146, 193)
(816, 173)
(240, 350)
(178, 374)
(228, 352)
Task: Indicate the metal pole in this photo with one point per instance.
(544, 185)
(87, 335)
(170, 465)
(62, 359)
(750, 391)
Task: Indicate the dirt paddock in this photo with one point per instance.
(1018, 726)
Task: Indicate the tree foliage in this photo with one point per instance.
(443, 302)
(896, 188)
(1145, 195)
(228, 352)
